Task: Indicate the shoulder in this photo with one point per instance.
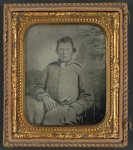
(52, 64)
(81, 68)
(77, 67)
(77, 64)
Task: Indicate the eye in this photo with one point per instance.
(60, 49)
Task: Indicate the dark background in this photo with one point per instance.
(130, 61)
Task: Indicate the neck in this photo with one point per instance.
(63, 64)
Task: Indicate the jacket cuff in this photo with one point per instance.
(79, 108)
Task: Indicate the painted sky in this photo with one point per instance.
(41, 42)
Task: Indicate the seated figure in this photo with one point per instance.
(64, 93)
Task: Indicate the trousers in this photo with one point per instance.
(36, 113)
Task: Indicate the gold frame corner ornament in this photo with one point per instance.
(112, 131)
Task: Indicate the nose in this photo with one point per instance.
(65, 52)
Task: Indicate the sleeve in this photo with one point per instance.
(86, 96)
(39, 89)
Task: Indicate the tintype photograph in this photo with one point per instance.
(65, 74)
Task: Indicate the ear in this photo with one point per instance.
(74, 50)
(56, 50)
(73, 53)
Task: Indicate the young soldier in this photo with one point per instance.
(65, 92)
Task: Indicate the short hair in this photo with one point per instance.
(66, 39)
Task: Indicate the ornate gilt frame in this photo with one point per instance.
(112, 131)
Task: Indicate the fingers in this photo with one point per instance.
(64, 99)
(50, 104)
(69, 101)
(47, 103)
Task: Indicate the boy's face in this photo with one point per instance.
(65, 51)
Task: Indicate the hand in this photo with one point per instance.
(49, 103)
(40, 97)
(67, 100)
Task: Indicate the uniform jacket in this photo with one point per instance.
(71, 81)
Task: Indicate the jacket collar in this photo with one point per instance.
(67, 63)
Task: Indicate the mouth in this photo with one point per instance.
(65, 56)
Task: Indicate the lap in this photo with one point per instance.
(60, 115)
